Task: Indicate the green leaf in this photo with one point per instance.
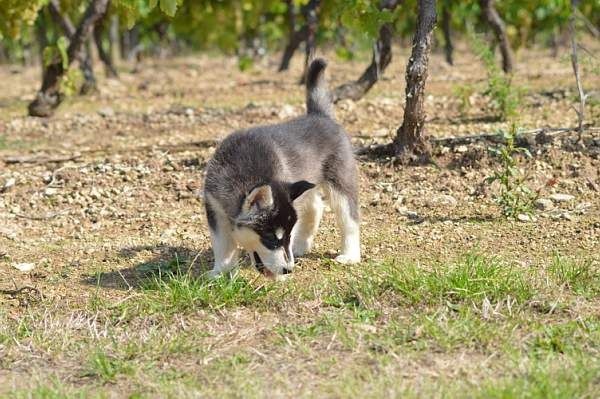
(245, 62)
(48, 55)
(344, 54)
(62, 44)
(169, 7)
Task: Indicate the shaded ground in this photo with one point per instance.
(451, 295)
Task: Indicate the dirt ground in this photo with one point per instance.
(109, 194)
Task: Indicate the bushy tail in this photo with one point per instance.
(318, 99)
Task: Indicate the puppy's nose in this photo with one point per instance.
(286, 271)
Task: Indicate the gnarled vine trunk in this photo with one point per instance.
(497, 24)
(83, 57)
(49, 96)
(382, 56)
(411, 142)
(296, 36)
(446, 22)
(312, 23)
(105, 56)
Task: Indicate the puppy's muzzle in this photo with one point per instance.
(260, 266)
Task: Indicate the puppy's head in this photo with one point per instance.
(264, 225)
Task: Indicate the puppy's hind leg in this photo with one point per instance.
(345, 207)
(309, 217)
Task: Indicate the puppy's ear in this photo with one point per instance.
(298, 188)
(259, 198)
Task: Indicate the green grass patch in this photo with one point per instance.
(177, 293)
(579, 276)
(471, 279)
(107, 368)
(172, 290)
(53, 389)
(574, 336)
(553, 377)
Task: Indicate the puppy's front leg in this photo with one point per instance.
(225, 250)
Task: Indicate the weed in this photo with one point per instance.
(555, 338)
(505, 99)
(515, 196)
(96, 303)
(303, 331)
(3, 143)
(464, 93)
(581, 277)
(106, 367)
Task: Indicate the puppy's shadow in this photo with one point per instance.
(165, 262)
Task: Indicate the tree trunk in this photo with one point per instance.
(3, 54)
(382, 56)
(497, 24)
(411, 143)
(130, 44)
(124, 44)
(135, 47)
(575, 65)
(312, 23)
(86, 66)
(446, 21)
(41, 36)
(295, 37)
(49, 96)
(105, 57)
(83, 57)
(113, 36)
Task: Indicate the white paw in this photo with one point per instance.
(282, 277)
(301, 247)
(213, 274)
(347, 259)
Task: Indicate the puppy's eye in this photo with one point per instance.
(271, 241)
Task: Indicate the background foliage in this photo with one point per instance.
(231, 26)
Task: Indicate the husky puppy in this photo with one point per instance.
(264, 186)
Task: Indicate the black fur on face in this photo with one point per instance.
(281, 217)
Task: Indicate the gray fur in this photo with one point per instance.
(318, 98)
(312, 147)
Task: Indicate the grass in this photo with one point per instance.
(552, 377)
(184, 292)
(171, 288)
(106, 367)
(55, 389)
(471, 279)
(373, 321)
(505, 98)
(579, 276)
